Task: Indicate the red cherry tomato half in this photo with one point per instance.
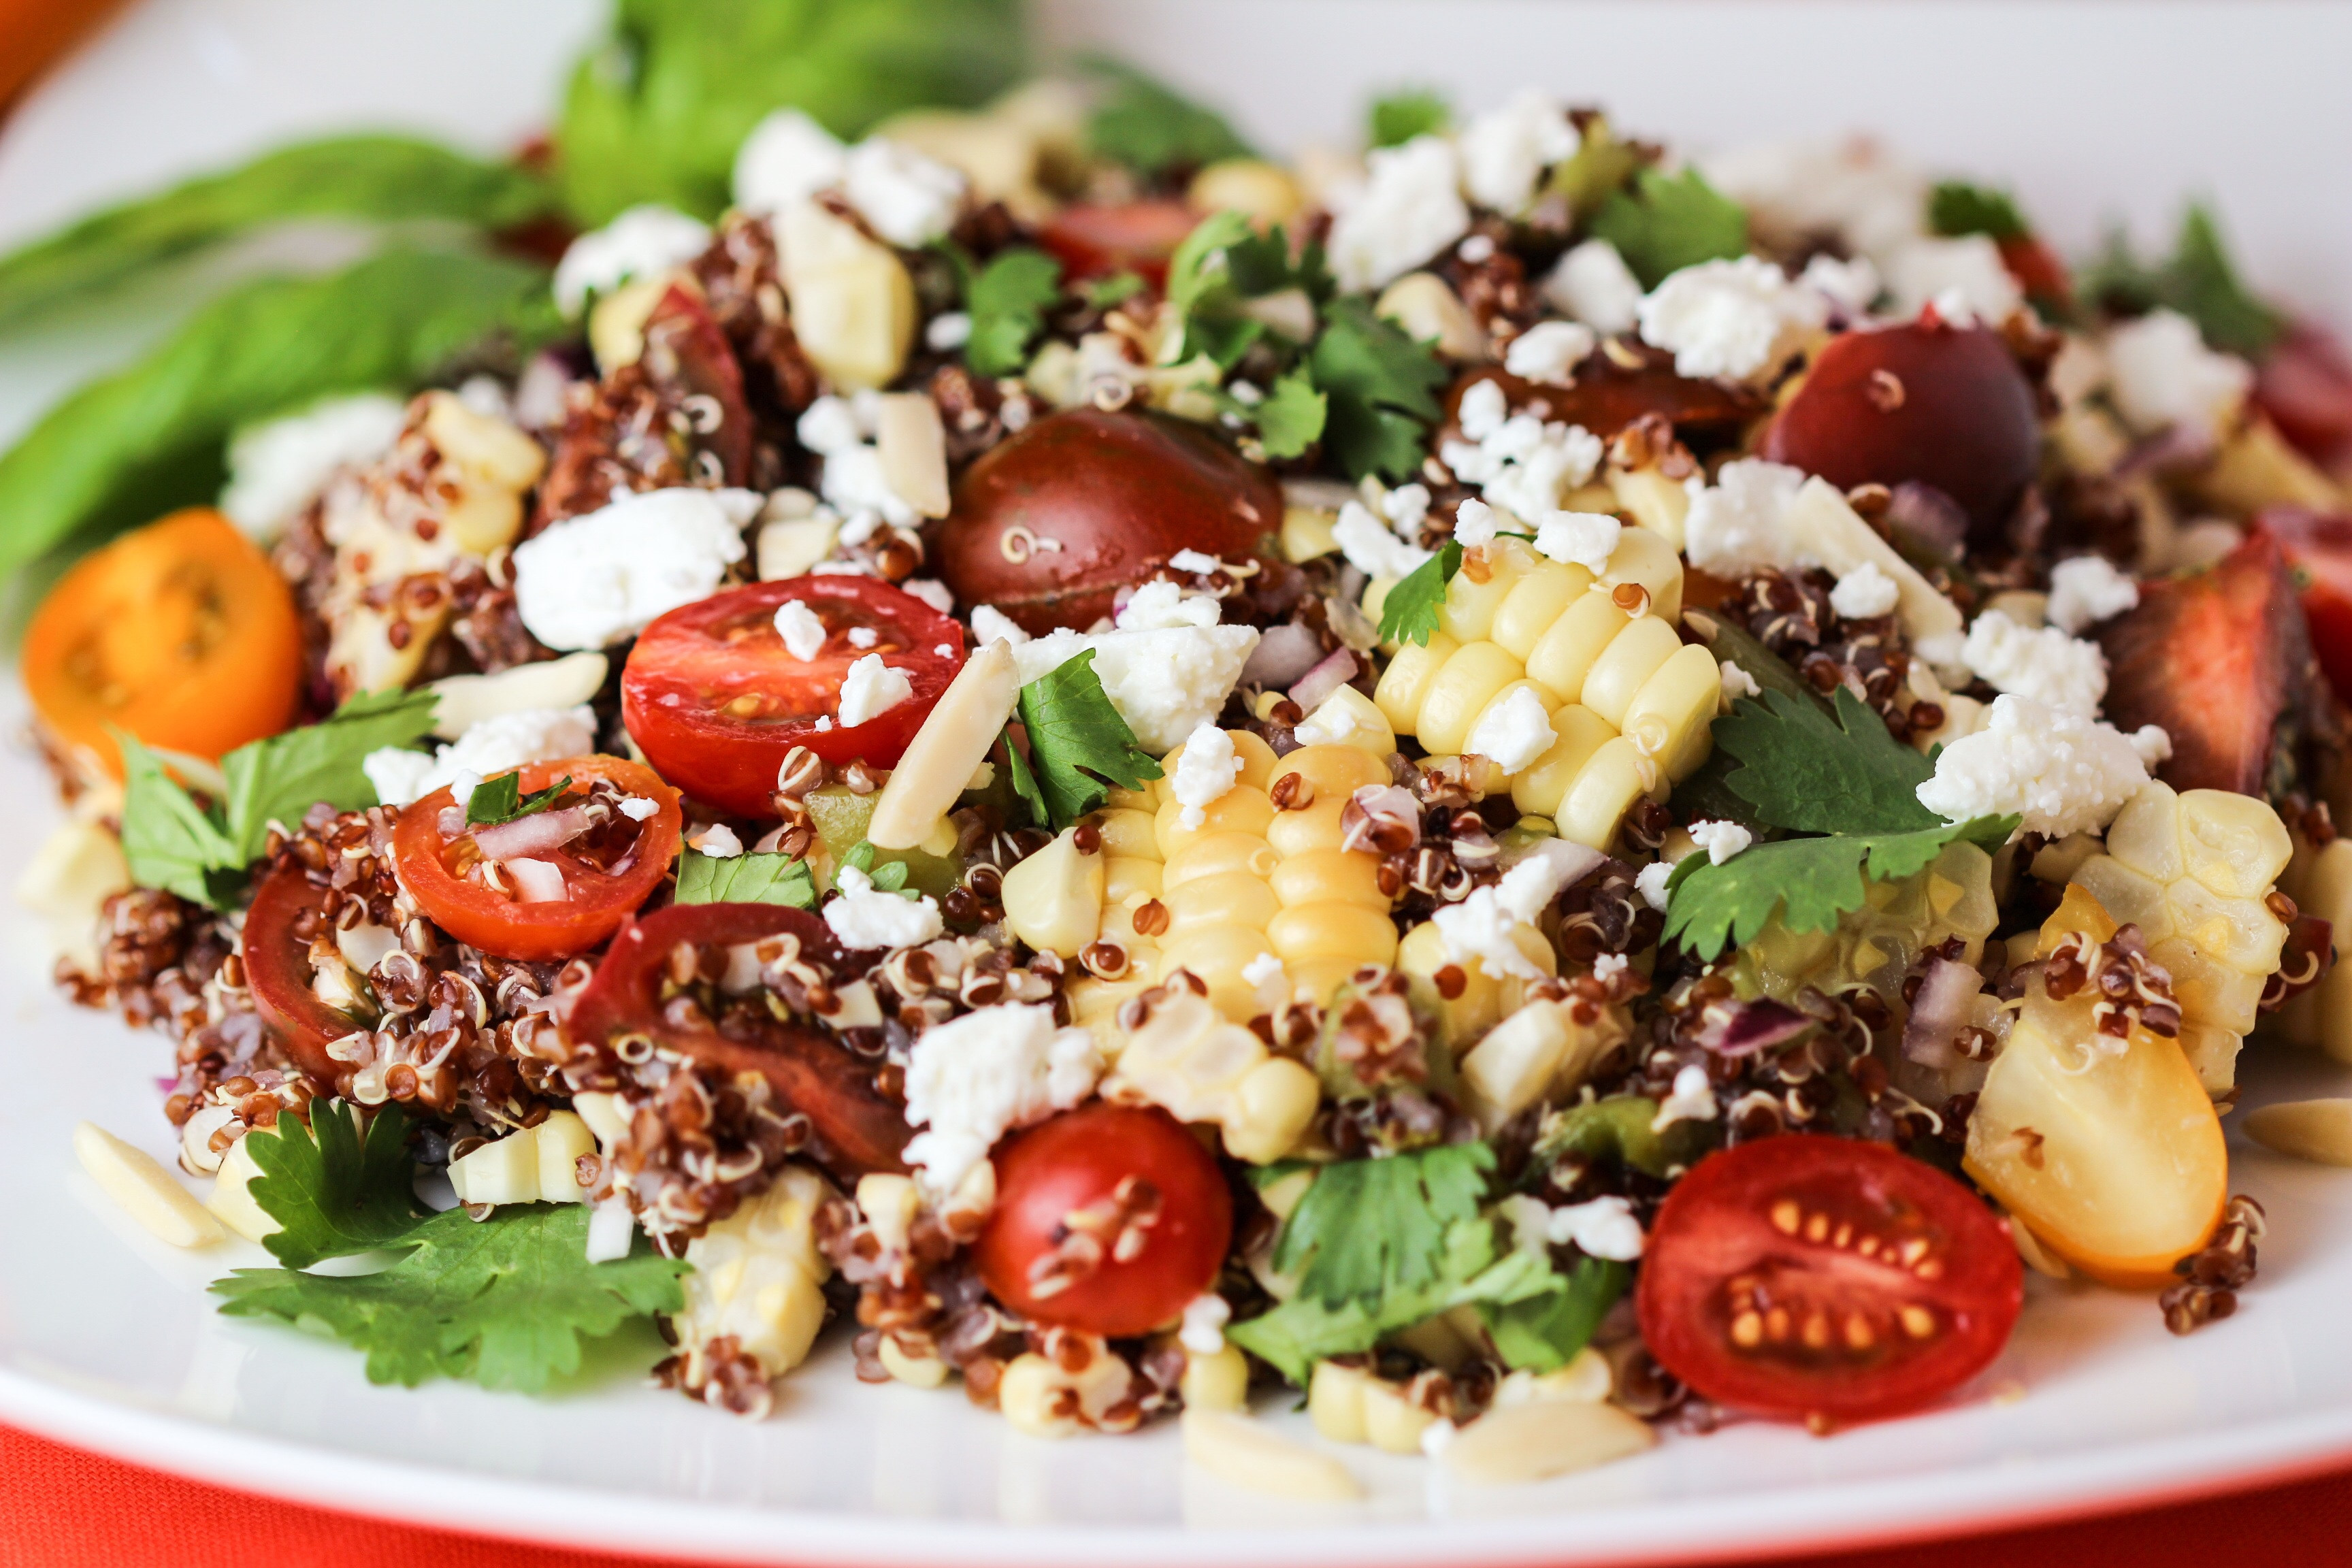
(2319, 552)
(2304, 385)
(1098, 240)
(287, 913)
(855, 1128)
(716, 700)
(1108, 1218)
(608, 870)
(1808, 1276)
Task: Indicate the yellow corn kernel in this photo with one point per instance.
(1218, 1382)
(1316, 827)
(1672, 717)
(1145, 799)
(1658, 503)
(1488, 573)
(1483, 1000)
(1129, 879)
(1271, 1108)
(1054, 898)
(1647, 557)
(1393, 1422)
(1617, 776)
(1538, 599)
(1329, 876)
(1256, 758)
(1219, 852)
(1238, 810)
(1468, 683)
(1230, 898)
(1333, 930)
(1632, 656)
(1216, 955)
(1405, 684)
(1539, 788)
(1130, 832)
(1568, 646)
(1334, 1401)
(1351, 719)
(1307, 532)
(1331, 770)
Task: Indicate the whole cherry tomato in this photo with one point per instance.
(716, 700)
(607, 861)
(1097, 241)
(286, 914)
(1816, 1277)
(1108, 1218)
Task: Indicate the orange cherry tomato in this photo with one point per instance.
(181, 632)
(608, 868)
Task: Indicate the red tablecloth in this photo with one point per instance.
(63, 1509)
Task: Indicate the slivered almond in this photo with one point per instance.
(1550, 1437)
(148, 1193)
(1248, 1454)
(2316, 1130)
(953, 742)
(913, 446)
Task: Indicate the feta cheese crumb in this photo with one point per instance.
(1165, 684)
(1408, 210)
(1865, 594)
(1963, 278)
(1605, 1226)
(497, 744)
(872, 688)
(1160, 605)
(802, 631)
(1737, 683)
(1514, 732)
(1851, 285)
(1593, 284)
(1335, 720)
(1523, 465)
(1730, 319)
(642, 242)
(1586, 539)
(2154, 746)
(1721, 840)
(637, 808)
(1473, 523)
(1371, 547)
(1691, 1099)
(1482, 409)
(1608, 966)
(863, 636)
(788, 158)
(2163, 374)
(990, 625)
(1506, 150)
(2042, 663)
(974, 1079)
(1480, 929)
(1650, 881)
(866, 917)
(947, 331)
(280, 466)
(1737, 523)
(2062, 771)
(1265, 976)
(2087, 589)
(933, 591)
(1550, 350)
(591, 581)
(909, 199)
(1198, 560)
(1203, 1330)
(719, 841)
(1204, 772)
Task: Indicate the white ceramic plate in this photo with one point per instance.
(107, 1339)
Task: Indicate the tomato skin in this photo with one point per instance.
(600, 901)
(1718, 1226)
(696, 660)
(2319, 553)
(1607, 396)
(2304, 385)
(855, 1128)
(277, 970)
(1078, 1160)
(181, 632)
(1097, 240)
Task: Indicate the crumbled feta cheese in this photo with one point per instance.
(1605, 1226)
(990, 625)
(788, 158)
(1204, 1329)
(1482, 409)
(1476, 248)
(1268, 980)
(2062, 771)
(497, 744)
(909, 199)
(1736, 524)
(1334, 720)
(2163, 374)
(1650, 881)
(1593, 284)
(1608, 966)
(1865, 594)
(1966, 272)
(1159, 604)
(637, 808)
(1514, 732)
(1198, 560)
(1479, 930)
(831, 425)
(1165, 684)
(280, 466)
(1850, 189)
(2154, 746)
(719, 841)
(1204, 772)
(855, 481)
(2038, 662)
(1586, 539)
(933, 591)
(1407, 211)
(863, 636)
(642, 242)
(1474, 523)
(1506, 150)
(1721, 840)
(2087, 589)
(801, 627)
(1851, 285)
(1371, 547)
(1730, 319)
(947, 331)
(591, 581)
(972, 1079)
(1737, 683)
(1691, 1099)
(1523, 465)
(1550, 350)
(872, 688)
(866, 917)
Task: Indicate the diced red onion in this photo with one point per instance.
(1326, 677)
(1283, 654)
(1939, 1011)
(533, 835)
(1744, 1028)
(535, 882)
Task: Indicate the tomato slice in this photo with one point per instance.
(608, 869)
(1108, 1218)
(1098, 239)
(286, 912)
(181, 632)
(1817, 1277)
(855, 1127)
(717, 700)
(2319, 552)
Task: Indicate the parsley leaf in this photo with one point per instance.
(1292, 418)
(1200, 262)
(1671, 222)
(1543, 1332)
(1809, 772)
(744, 879)
(1008, 299)
(1382, 388)
(1399, 117)
(332, 1189)
(1956, 207)
(1102, 293)
(2198, 280)
(1410, 612)
(1366, 1228)
(1151, 127)
(1078, 745)
(1025, 786)
(504, 1302)
(501, 800)
(169, 840)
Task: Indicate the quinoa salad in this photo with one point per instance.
(1538, 787)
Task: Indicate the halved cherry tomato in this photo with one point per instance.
(2304, 385)
(181, 632)
(286, 912)
(2037, 271)
(716, 700)
(1108, 1218)
(1809, 1276)
(2319, 552)
(855, 1127)
(1099, 240)
(607, 871)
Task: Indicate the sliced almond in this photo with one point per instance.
(2316, 1130)
(1521, 1443)
(147, 1192)
(231, 1203)
(953, 741)
(1248, 1454)
(913, 446)
(467, 699)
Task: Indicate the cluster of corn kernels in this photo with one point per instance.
(757, 1290)
(1629, 703)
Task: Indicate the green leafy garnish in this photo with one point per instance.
(1399, 117)
(1102, 293)
(1292, 416)
(1382, 388)
(744, 879)
(1365, 1229)
(501, 800)
(1078, 745)
(1008, 299)
(1224, 264)
(382, 178)
(132, 445)
(1200, 263)
(1410, 612)
(1807, 771)
(1543, 1332)
(1956, 207)
(2198, 280)
(1669, 222)
(1597, 170)
(890, 876)
(170, 841)
(504, 1302)
(1153, 129)
(1621, 1129)
(332, 1189)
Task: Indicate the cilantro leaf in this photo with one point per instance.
(1368, 1227)
(1956, 207)
(1670, 222)
(1597, 170)
(504, 1302)
(744, 879)
(1025, 788)
(1008, 299)
(1200, 262)
(1151, 127)
(2198, 280)
(1102, 293)
(1809, 772)
(1410, 612)
(279, 779)
(1382, 388)
(333, 1190)
(1399, 117)
(170, 841)
(1078, 745)
(1807, 883)
(1292, 416)
(1543, 1332)
(501, 800)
